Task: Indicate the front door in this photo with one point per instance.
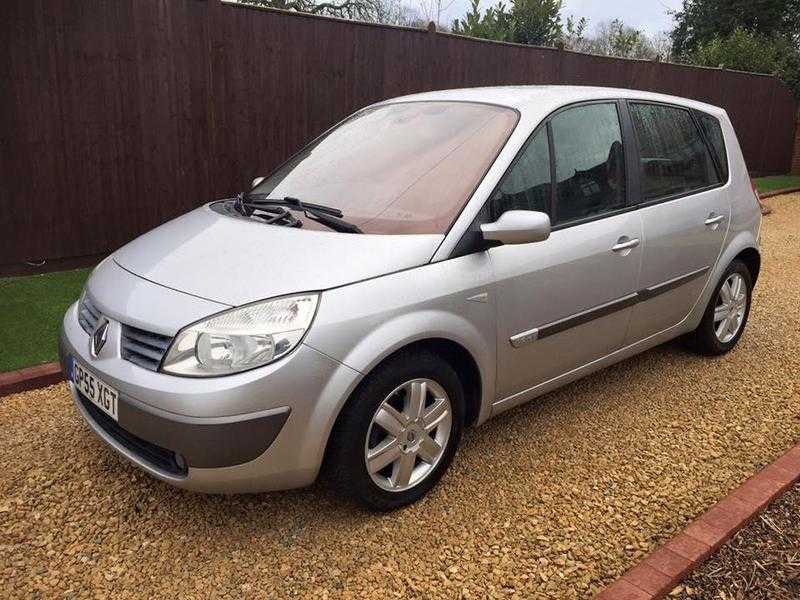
(566, 301)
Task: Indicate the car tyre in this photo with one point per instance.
(408, 384)
(711, 338)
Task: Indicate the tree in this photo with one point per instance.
(700, 21)
(362, 10)
(397, 12)
(539, 22)
(494, 24)
(432, 10)
(746, 50)
(536, 22)
(572, 35)
(749, 35)
(614, 38)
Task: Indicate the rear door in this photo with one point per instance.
(685, 213)
(565, 302)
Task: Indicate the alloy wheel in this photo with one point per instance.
(730, 308)
(408, 435)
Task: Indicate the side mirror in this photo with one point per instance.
(258, 180)
(518, 227)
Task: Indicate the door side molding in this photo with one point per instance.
(524, 338)
(670, 284)
(588, 315)
(527, 337)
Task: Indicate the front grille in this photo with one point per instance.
(144, 348)
(88, 315)
(161, 458)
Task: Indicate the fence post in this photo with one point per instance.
(796, 153)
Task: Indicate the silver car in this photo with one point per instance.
(424, 265)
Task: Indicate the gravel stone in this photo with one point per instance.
(554, 499)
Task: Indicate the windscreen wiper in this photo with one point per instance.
(327, 215)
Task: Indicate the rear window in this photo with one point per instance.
(398, 168)
(674, 158)
(713, 131)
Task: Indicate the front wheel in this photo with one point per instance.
(399, 432)
(726, 314)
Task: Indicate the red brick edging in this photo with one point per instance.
(667, 566)
(30, 378)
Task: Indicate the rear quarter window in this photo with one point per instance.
(674, 158)
(713, 131)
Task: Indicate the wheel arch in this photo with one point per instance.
(459, 357)
(751, 257)
(463, 363)
(743, 246)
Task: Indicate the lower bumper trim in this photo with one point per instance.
(161, 458)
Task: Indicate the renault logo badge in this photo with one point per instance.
(98, 339)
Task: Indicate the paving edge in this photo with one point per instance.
(658, 573)
(22, 380)
(790, 190)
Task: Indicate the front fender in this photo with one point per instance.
(404, 330)
(361, 325)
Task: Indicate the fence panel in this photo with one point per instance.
(118, 115)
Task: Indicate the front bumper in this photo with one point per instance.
(261, 430)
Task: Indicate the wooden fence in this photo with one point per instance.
(116, 115)
(796, 154)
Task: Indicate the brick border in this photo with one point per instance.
(21, 380)
(668, 565)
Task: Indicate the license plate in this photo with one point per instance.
(95, 389)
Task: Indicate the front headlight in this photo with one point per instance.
(241, 338)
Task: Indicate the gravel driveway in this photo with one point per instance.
(553, 499)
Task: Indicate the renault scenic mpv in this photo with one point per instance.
(427, 263)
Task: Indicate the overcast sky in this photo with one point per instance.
(648, 15)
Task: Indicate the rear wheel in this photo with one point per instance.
(399, 432)
(726, 314)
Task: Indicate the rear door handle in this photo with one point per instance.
(714, 220)
(624, 244)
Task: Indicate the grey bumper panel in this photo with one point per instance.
(204, 442)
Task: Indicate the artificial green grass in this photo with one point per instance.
(777, 182)
(31, 309)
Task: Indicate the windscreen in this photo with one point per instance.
(398, 168)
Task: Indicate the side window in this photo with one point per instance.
(713, 131)
(526, 186)
(674, 157)
(590, 162)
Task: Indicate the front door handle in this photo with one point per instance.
(625, 244)
(714, 219)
